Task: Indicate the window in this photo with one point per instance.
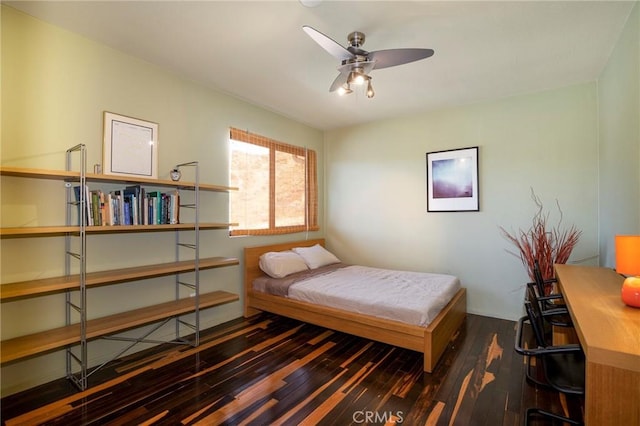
(277, 185)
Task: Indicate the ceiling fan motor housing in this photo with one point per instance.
(356, 39)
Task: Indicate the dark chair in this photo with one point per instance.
(552, 300)
(554, 315)
(560, 367)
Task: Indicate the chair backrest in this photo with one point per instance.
(532, 296)
(537, 322)
(537, 275)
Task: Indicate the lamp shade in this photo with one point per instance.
(628, 254)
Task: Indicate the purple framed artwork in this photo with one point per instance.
(452, 180)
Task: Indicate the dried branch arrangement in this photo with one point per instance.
(539, 242)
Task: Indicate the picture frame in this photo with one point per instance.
(452, 180)
(130, 146)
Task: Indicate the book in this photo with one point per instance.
(164, 209)
(135, 191)
(145, 211)
(108, 201)
(155, 207)
(76, 191)
(103, 210)
(134, 211)
(175, 208)
(113, 201)
(95, 207)
(87, 198)
(127, 220)
(117, 207)
(121, 214)
(87, 210)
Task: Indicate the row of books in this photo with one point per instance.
(132, 205)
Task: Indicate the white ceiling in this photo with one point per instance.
(257, 51)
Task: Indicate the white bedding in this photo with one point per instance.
(410, 297)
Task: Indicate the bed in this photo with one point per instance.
(431, 340)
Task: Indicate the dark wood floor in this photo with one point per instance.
(271, 370)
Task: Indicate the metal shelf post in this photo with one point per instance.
(80, 306)
(195, 246)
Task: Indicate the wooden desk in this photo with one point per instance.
(609, 332)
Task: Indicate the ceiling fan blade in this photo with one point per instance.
(340, 81)
(393, 57)
(328, 44)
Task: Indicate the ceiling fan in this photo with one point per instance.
(356, 63)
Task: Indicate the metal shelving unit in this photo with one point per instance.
(79, 329)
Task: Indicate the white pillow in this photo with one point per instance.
(279, 264)
(316, 256)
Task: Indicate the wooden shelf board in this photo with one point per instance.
(38, 173)
(59, 284)
(34, 344)
(37, 230)
(92, 177)
(33, 231)
(141, 228)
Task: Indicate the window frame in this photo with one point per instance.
(311, 184)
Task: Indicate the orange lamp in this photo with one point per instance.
(628, 263)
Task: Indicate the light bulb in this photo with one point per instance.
(370, 92)
(344, 90)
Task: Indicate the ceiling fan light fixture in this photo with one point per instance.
(344, 89)
(370, 92)
(357, 76)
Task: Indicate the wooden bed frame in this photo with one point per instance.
(431, 340)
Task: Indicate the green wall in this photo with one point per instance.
(546, 141)
(55, 87)
(619, 147)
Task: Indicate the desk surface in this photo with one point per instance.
(608, 329)
(609, 332)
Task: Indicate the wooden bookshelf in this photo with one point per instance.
(38, 343)
(71, 176)
(93, 279)
(67, 336)
(35, 231)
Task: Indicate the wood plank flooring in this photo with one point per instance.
(269, 370)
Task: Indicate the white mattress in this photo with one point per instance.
(410, 297)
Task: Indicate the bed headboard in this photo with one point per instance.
(252, 269)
